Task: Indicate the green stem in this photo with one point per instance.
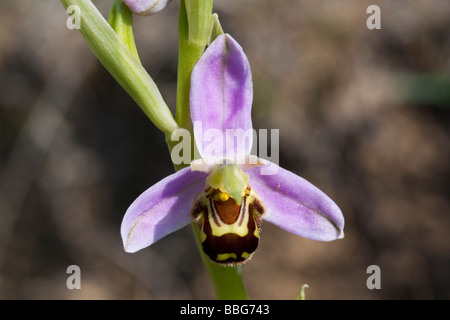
(194, 32)
(123, 65)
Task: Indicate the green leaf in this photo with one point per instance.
(117, 58)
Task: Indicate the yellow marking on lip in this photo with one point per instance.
(245, 255)
(256, 233)
(226, 256)
(203, 235)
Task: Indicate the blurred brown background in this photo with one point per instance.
(363, 114)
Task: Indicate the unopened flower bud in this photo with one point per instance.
(146, 7)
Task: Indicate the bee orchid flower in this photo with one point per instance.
(226, 192)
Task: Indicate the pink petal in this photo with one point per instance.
(294, 204)
(221, 99)
(161, 209)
